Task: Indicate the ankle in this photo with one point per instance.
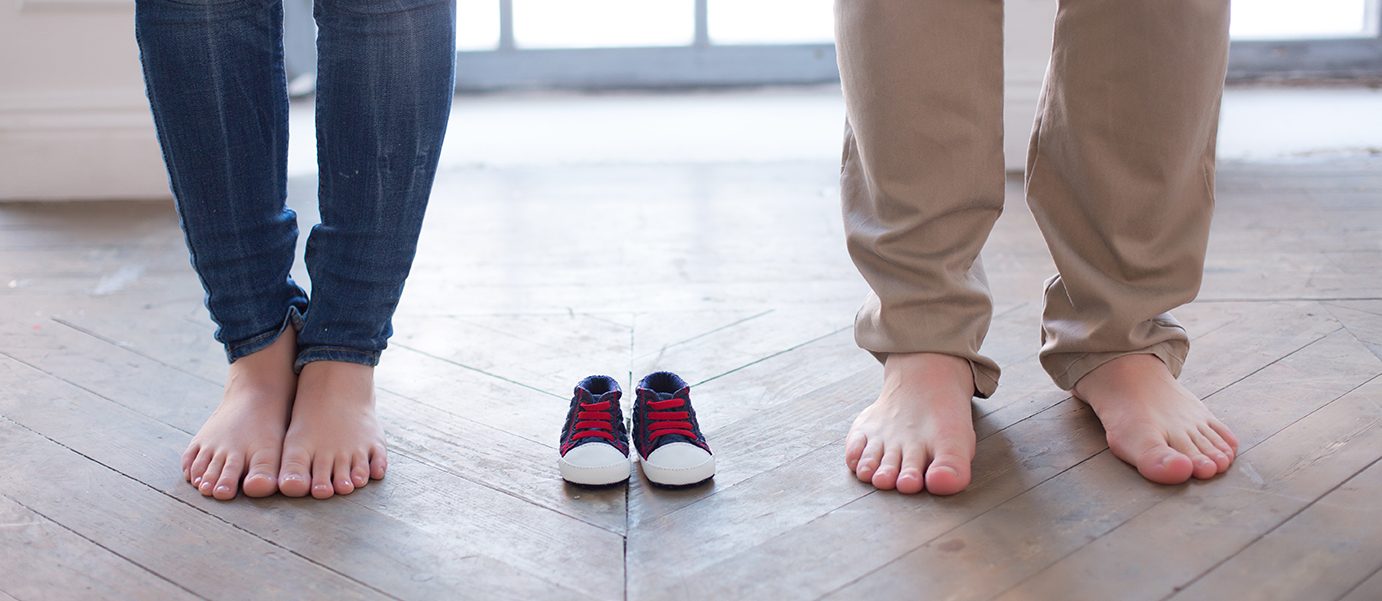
(930, 371)
(1138, 369)
(336, 382)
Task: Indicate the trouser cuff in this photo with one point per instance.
(1067, 368)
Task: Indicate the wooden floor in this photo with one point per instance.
(736, 277)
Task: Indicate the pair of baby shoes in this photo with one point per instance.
(671, 448)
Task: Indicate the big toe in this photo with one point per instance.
(262, 480)
(947, 476)
(1165, 465)
(293, 478)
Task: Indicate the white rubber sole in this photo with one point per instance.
(680, 475)
(594, 475)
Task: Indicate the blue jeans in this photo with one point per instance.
(215, 78)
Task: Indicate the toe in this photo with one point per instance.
(868, 461)
(293, 477)
(229, 482)
(212, 474)
(885, 477)
(1226, 434)
(188, 457)
(1154, 458)
(949, 472)
(1210, 450)
(321, 477)
(854, 449)
(262, 480)
(1217, 441)
(1202, 467)
(1164, 465)
(378, 462)
(341, 476)
(911, 480)
(359, 471)
(199, 466)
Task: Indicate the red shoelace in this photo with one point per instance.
(663, 423)
(594, 420)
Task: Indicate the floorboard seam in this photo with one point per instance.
(94, 542)
(776, 354)
(705, 333)
(436, 466)
(1274, 528)
(1360, 583)
(1240, 454)
(200, 510)
(477, 370)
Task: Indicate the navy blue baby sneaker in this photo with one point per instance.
(671, 448)
(594, 442)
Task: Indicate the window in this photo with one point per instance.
(670, 43)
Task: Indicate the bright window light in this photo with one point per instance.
(771, 21)
(477, 24)
(1297, 19)
(603, 23)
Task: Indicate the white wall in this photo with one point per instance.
(74, 123)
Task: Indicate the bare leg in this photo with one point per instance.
(919, 434)
(244, 436)
(1154, 423)
(334, 443)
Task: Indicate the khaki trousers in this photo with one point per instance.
(1120, 173)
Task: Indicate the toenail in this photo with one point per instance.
(948, 469)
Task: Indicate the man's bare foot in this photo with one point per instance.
(1154, 423)
(334, 443)
(919, 434)
(245, 433)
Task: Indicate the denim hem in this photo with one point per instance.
(335, 353)
(254, 344)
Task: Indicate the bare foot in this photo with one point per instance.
(245, 433)
(1154, 423)
(334, 443)
(919, 434)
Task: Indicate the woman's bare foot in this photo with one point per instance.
(245, 433)
(919, 434)
(334, 443)
(1154, 423)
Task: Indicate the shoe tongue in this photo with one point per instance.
(683, 393)
(585, 396)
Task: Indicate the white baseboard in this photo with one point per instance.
(78, 147)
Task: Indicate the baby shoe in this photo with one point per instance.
(671, 448)
(594, 442)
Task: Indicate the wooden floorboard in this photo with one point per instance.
(1324, 551)
(44, 559)
(736, 277)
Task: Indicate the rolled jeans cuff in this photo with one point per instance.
(259, 342)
